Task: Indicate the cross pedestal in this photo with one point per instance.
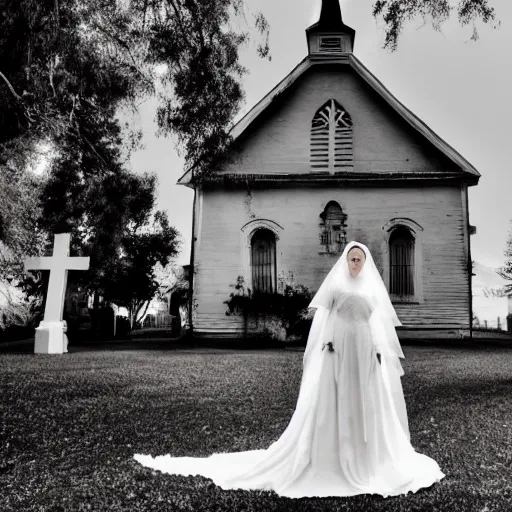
(51, 334)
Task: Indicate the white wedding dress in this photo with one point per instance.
(349, 432)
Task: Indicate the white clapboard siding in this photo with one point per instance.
(378, 139)
(283, 141)
(438, 210)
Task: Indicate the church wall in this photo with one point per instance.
(279, 141)
(438, 210)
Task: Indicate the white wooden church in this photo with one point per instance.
(328, 156)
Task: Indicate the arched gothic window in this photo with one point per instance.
(263, 261)
(401, 262)
(333, 234)
(331, 138)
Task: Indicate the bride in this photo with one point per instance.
(349, 433)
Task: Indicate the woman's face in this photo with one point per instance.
(356, 260)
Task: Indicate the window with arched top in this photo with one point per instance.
(263, 261)
(333, 234)
(401, 262)
(331, 138)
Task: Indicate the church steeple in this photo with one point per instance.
(330, 16)
(329, 34)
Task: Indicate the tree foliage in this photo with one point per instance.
(396, 14)
(62, 78)
(506, 270)
(202, 64)
(66, 68)
(62, 85)
(494, 293)
(20, 234)
(17, 311)
(132, 279)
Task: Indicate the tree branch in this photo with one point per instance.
(50, 74)
(15, 94)
(181, 22)
(139, 309)
(91, 145)
(126, 47)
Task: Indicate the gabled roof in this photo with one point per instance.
(349, 59)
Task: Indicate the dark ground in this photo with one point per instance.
(69, 425)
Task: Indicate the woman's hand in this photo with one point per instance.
(329, 346)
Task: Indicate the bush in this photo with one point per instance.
(17, 332)
(19, 315)
(239, 302)
(273, 329)
(122, 326)
(283, 316)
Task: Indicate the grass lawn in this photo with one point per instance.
(69, 426)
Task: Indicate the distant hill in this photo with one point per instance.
(485, 281)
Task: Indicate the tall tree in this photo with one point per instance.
(62, 85)
(133, 280)
(201, 55)
(67, 66)
(506, 270)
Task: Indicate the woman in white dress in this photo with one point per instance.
(349, 433)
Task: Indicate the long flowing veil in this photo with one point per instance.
(383, 319)
(369, 283)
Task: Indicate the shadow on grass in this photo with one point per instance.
(161, 344)
(72, 424)
(27, 346)
(468, 392)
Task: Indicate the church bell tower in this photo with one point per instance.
(330, 35)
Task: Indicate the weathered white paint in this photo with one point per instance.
(344, 64)
(438, 210)
(279, 142)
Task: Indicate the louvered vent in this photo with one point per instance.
(331, 138)
(330, 44)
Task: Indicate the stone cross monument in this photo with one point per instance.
(50, 337)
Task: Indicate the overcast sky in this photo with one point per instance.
(461, 89)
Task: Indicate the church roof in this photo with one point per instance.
(349, 59)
